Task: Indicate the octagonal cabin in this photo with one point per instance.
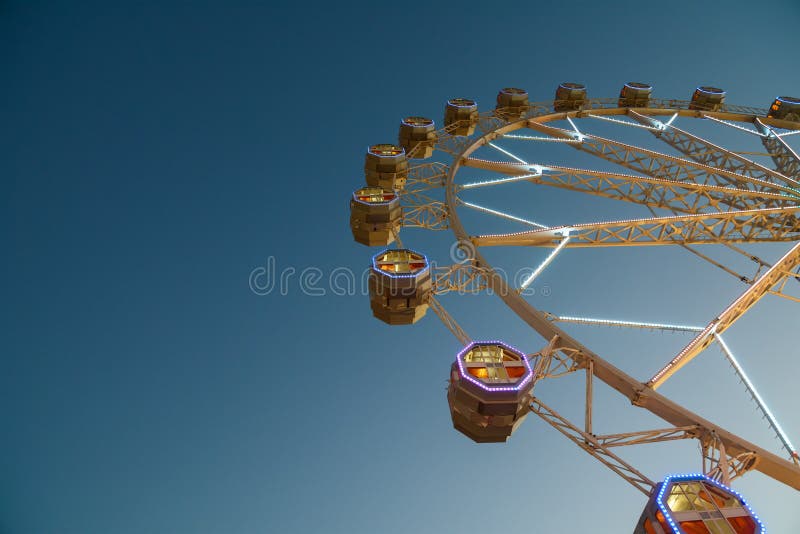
(786, 108)
(461, 116)
(386, 166)
(489, 384)
(512, 103)
(417, 136)
(696, 504)
(707, 98)
(375, 216)
(399, 286)
(570, 96)
(635, 95)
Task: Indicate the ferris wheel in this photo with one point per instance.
(694, 193)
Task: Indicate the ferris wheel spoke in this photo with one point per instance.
(762, 406)
(498, 181)
(657, 164)
(507, 153)
(785, 158)
(539, 138)
(625, 123)
(500, 214)
(503, 167)
(733, 125)
(686, 197)
(707, 153)
(763, 225)
(773, 276)
(621, 323)
(542, 266)
(720, 265)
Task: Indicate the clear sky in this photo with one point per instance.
(153, 154)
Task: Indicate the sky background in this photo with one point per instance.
(152, 155)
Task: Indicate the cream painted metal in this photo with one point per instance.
(717, 196)
(655, 166)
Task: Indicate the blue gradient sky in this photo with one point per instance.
(154, 155)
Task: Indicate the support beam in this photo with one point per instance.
(721, 465)
(684, 197)
(591, 445)
(460, 278)
(448, 321)
(785, 158)
(762, 406)
(657, 164)
(589, 396)
(730, 315)
(500, 214)
(707, 153)
(425, 176)
(748, 226)
(648, 436)
(547, 261)
(422, 211)
(629, 324)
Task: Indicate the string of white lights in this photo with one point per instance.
(507, 153)
(773, 423)
(497, 181)
(621, 323)
(540, 138)
(733, 125)
(737, 367)
(501, 214)
(626, 123)
(545, 263)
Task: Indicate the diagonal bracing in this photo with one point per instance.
(760, 225)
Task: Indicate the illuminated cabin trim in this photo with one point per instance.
(783, 106)
(417, 121)
(707, 89)
(519, 381)
(668, 515)
(462, 103)
(400, 263)
(386, 151)
(374, 196)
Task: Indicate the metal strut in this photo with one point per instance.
(593, 446)
(448, 321)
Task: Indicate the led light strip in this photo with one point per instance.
(507, 153)
(501, 214)
(488, 387)
(540, 138)
(754, 393)
(501, 180)
(632, 324)
(732, 125)
(545, 263)
(762, 405)
(626, 123)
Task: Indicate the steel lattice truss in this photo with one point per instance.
(714, 196)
